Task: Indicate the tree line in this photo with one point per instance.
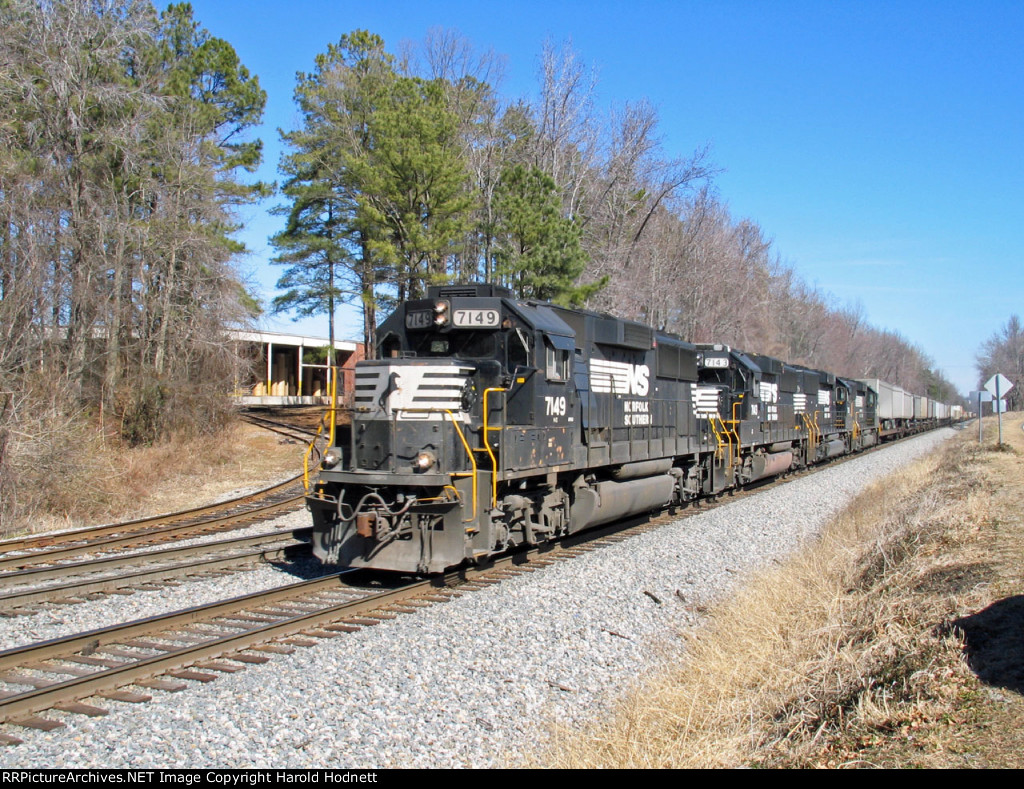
(410, 169)
(122, 137)
(1003, 353)
(125, 144)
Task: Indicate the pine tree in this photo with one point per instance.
(412, 184)
(325, 243)
(537, 250)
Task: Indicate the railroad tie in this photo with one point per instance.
(35, 722)
(245, 657)
(276, 649)
(24, 679)
(73, 671)
(79, 708)
(300, 642)
(186, 673)
(224, 668)
(125, 695)
(162, 684)
(343, 628)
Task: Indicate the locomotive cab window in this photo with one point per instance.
(518, 349)
(391, 347)
(556, 357)
(556, 364)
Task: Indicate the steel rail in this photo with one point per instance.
(112, 677)
(14, 600)
(136, 537)
(36, 574)
(44, 540)
(232, 611)
(290, 431)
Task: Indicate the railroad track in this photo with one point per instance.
(164, 652)
(272, 499)
(149, 570)
(297, 432)
(29, 564)
(122, 662)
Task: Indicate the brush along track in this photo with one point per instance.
(142, 570)
(23, 551)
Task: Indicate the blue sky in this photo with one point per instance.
(878, 143)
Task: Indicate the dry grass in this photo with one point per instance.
(89, 478)
(841, 657)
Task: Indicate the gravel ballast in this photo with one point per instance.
(475, 682)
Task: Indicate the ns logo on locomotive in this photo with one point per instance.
(488, 422)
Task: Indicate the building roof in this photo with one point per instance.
(279, 338)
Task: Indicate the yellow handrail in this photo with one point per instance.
(735, 421)
(334, 402)
(812, 440)
(472, 462)
(718, 436)
(487, 445)
(307, 454)
(332, 421)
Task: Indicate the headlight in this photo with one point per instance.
(332, 457)
(424, 460)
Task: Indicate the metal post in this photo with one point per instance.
(270, 367)
(979, 416)
(999, 412)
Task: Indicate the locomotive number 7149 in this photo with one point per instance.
(555, 406)
(484, 318)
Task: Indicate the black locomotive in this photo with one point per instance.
(490, 422)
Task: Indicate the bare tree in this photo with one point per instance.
(1003, 353)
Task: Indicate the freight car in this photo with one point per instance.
(489, 422)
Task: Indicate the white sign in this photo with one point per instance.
(999, 406)
(978, 395)
(999, 385)
(487, 319)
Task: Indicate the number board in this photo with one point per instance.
(476, 318)
(422, 319)
(720, 362)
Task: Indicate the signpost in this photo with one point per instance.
(998, 385)
(982, 397)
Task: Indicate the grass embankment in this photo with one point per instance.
(99, 480)
(895, 640)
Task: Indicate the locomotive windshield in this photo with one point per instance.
(466, 345)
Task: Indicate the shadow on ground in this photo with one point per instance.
(994, 643)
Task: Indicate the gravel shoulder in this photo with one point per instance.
(476, 682)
